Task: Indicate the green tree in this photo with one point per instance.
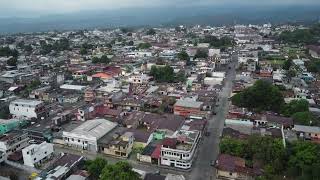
(304, 161)
(183, 55)
(12, 61)
(96, 166)
(162, 74)
(4, 112)
(261, 96)
(83, 51)
(151, 31)
(287, 64)
(119, 171)
(103, 60)
(201, 53)
(295, 106)
(303, 118)
(7, 52)
(233, 147)
(144, 46)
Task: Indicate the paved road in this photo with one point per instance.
(149, 168)
(209, 149)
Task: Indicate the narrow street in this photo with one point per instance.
(209, 149)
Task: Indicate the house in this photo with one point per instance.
(150, 154)
(61, 169)
(179, 151)
(8, 125)
(307, 132)
(120, 147)
(36, 154)
(86, 136)
(314, 51)
(187, 107)
(13, 141)
(278, 121)
(234, 168)
(28, 109)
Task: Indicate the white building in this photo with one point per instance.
(13, 141)
(85, 136)
(35, 154)
(27, 108)
(140, 79)
(179, 151)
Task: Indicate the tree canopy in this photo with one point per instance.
(301, 36)
(100, 169)
(201, 53)
(263, 95)
(151, 31)
(299, 160)
(103, 60)
(120, 170)
(215, 42)
(96, 166)
(295, 106)
(6, 52)
(183, 55)
(166, 74)
(144, 46)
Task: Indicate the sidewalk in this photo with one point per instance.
(152, 168)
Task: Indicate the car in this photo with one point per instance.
(213, 163)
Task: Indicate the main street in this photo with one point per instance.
(209, 148)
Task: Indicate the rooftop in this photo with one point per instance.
(95, 128)
(188, 103)
(28, 102)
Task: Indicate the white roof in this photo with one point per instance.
(308, 129)
(94, 128)
(28, 102)
(188, 103)
(72, 87)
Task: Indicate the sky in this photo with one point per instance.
(18, 8)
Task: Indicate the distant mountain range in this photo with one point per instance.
(209, 15)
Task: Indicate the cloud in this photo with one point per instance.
(14, 7)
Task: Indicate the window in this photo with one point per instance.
(78, 140)
(72, 139)
(27, 152)
(35, 159)
(45, 152)
(230, 174)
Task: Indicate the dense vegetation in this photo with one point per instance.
(166, 74)
(301, 36)
(261, 96)
(215, 42)
(100, 169)
(7, 52)
(60, 45)
(298, 161)
(144, 46)
(183, 55)
(201, 53)
(103, 60)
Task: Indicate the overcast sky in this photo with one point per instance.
(11, 8)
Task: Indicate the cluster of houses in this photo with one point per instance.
(253, 64)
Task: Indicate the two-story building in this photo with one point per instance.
(13, 141)
(121, 146)
(28, 109)
(35, 154)
(179, 151)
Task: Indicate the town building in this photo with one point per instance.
(28, 109)
(36, 154)
(179, 151)
(86, 136)
(13, 141)
(121, 146)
